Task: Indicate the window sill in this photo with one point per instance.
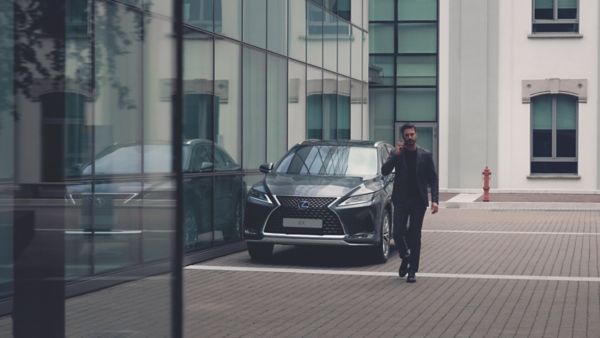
(553, 177)
(555, 35)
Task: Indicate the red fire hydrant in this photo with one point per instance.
(486, 184)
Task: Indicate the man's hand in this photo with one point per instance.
(399, 148)
(434, 207)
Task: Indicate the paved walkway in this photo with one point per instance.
(484, 273)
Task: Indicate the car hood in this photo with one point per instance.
(314, 186)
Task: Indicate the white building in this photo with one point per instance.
(518, 92)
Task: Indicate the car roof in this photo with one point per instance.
(356, 143)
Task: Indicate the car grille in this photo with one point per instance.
(317, 209)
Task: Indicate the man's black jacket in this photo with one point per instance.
(426, 176)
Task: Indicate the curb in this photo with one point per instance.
(548, 206)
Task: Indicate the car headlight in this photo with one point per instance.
(358, 199)
(258, 194)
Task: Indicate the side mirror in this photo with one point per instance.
(266, 168)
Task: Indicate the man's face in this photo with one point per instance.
(410, 136)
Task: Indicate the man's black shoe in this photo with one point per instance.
(403, 268)
(411, 278)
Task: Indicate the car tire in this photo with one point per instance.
(260, 251)
(382, 248)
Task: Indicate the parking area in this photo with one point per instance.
(483, 273)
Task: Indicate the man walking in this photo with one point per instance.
(415, 172)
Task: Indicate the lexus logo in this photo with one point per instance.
(303, 205)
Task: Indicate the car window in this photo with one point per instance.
(201, 158)
(330, 160)
(223, 161)
(127, 160)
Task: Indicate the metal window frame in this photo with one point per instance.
(554, 157)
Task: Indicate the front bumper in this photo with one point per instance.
(349, 226)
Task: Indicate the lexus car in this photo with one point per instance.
(322, 193)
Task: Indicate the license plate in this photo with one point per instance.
(302, 223)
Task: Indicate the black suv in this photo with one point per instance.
(322, 192)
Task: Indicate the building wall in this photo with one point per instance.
(490, 51)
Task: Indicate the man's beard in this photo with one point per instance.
(409, 142)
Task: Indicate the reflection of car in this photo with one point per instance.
(322, 192)
(121, 182)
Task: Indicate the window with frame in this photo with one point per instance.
(554, 134)
(555, 16)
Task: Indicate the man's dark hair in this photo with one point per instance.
(407, 126)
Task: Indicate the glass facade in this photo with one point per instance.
(403, 74)
(129, 141)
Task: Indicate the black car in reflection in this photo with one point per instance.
(131, 191)
(322, 193)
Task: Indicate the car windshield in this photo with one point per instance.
(128, 159)
(330, 160)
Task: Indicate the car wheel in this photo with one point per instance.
(260, 251)
(382, 249)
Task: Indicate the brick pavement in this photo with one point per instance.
(456, 241)
(513, 243)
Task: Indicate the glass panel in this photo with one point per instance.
(231, 18)
(382, 35)
(567, 9)
(158, 216)
(381, 10)
(255, 108)
(297, 30)
(315, 35)
(416, 70)
(356, 54)
(356, 111)
(425, 137)
(199, 99)
(566, 112)
(276, 107)
(199, 13)
(356, 12)
(416, 104)
(542, 112)
(556, 27)
(329, 105)
(381, 104)
(365, 57)
(7, 146)
(228, 198)
(296, 102)
(566, 125)
(343, 108)
(365, 111)
(330, 28)
(197, 208)
(255, 22)
(544, 9)
(228, 101)
(554, 167)
(314, 103)
(277, 26)
(117, 114)
(344, 44)
(417, 38)
(417, 10)
(381, 70)
(343, 9)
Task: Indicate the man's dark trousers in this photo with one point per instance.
(409, 238)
